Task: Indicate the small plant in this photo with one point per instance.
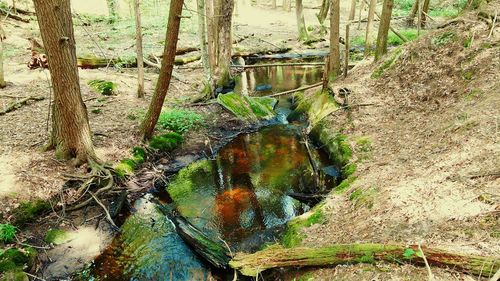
(166, 142)
(443, 39)
(28, 211)
(388, 63)
(180, 120)
(103, 87)
(7, 232)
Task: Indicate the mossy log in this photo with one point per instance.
(186, 60)
(20, 103)
(215, 253)
(92, 62)
(310, 199)
(276, 257)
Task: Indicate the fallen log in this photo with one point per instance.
(186, 60)
(91, 62)
(277, 256)
(14, 17)
(185, 50)
(19, 104)
(280, 64)
(297, 90)
(309, 199)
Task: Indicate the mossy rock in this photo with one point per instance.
(29, 211)
(293, 236)
(248, 108)
(14, 275)
(316, 107)
(56, 236)
(16, 259)
(166, 142)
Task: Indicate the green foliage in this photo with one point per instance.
(410, 34)
(468, 74)
(362, 197)
(28, 211)
(473, 94)
(7, 232)
(443, 38)
(15, 259)
(248, 108)
(166, 142)
(56, 236)
(96, 110)
(103, 87)
(404, 5)
(387, 64)
(127, 166)
(180, 120)
(345, 184)
(364, 148)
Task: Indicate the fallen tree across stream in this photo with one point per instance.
(277, 257)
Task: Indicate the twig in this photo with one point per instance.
(20, 103)
(431, 276)
(12, 96)
(493, 24)
(108, 216)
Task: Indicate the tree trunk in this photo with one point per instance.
(383, 30)
(323, 12)
(368, 38)
(276, 257)
(273, 4)
(202, 33)
(212, 12)
(140, 55)
(167, 65)
(112, 10)
(361, 8)
(352, 14)
(334, 61)
(425, 12)
(3, 84)
(410, 20)
(71, 135)
(287, 5)
(301, 23)
(225, 43)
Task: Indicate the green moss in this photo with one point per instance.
(345, 184)
(336, 145)
(367, 257)
(56, 236)
(124, 169)
(96, 110)
(15, 259)
(468, 74)
(349, 169)
(362, 197)
(139, 155)
(248, 108)
(7, 233)
(363, 148)
(166, 142)
(387, 64)
(29, 211)
(293, 236)
(14, 275)
(103, 87)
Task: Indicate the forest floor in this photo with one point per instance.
(427, 152)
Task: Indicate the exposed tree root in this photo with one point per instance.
(20, 103)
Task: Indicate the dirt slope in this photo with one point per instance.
(427, 153)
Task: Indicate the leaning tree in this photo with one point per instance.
(71, 135)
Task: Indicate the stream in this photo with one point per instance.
(239, 197)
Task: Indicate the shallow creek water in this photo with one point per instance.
(240, 197)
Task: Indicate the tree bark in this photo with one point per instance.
(167, 65)
(383, 30)
(425, 12)
(301, 23)
(71, 135)
(368, 39)
(212, 13)
(273, 4)
(275, 257)
(202, 33)
(334, 61)
(352, 11)
(140, 55)
(225, 42)
(410, 20)
(323, 12)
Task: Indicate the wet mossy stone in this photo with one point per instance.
(29, 211)
(316, 107)
(16, 259)
(248, 108)
(56, 236)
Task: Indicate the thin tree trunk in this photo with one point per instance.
(410, 20)
(202, 33)
(138, 43)
(14, 9)
(277, 257)
(167, 65)
(323, 12)
(3, 84)
(112, 10)
(287, 5)
(301, 23)
(213, 35)
(352, 14)
(352, 11)
(361, 7)
(424, 13)
(383, 30)
(71, 135)
(273, 4)
(334, 61)
(225, 42)
(368, 38)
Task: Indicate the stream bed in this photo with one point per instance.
(239, 197)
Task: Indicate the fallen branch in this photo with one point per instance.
(108, 216)
(279, 64)
(157, 65)
(277, 257)
(14, 17)
(297, 90)
(20, 103)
